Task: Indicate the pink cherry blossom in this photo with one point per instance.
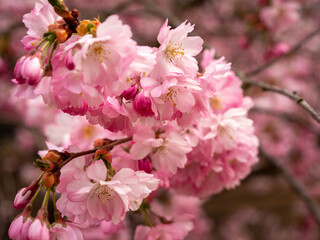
(38, 230)
(177, 50)
(29, 69)
(37, 22)
(19, 228)
(69, 231)
(106, 199)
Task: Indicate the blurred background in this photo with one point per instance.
(249, 33)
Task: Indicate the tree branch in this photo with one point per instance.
(286, 116)
(295, 184)
(295, 48)
(292, 95)
(108, 147)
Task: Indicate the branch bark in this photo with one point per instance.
(290, 94)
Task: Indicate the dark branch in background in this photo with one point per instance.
(293, 49)
(295, 184)
(287, 116)
(292, 95)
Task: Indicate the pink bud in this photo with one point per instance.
(130, 93)
(276, 51)
(243, 42)
(24, 195)
(145, 165)
(280, 49)
(74, 111)
(17, 71)
(29, 69)
(19, 228)
(142, 105)
(38, 230)
(69, 61)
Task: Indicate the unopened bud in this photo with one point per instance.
(142, 105)
(29, 69)
(145, 165)
(101, 142)
(24, 195)
(103, 154)
(48, 179)
(44, 165)
(130, 93)
(52, 156)
(82, 27)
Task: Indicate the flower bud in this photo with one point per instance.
(142, 105)
(82, 27)
(101, 142)
(19, 227)
(25, 195)
(52, 156)
(48, 179)
(39, 226)
(145, 165)
(130, 93)
(17, 71)
(29, 69)
(103, 154)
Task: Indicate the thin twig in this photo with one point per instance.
(287, 116)
(107, 147)
(295, 48)
(292, 95)
(295, 184)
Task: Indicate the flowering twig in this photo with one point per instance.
(295, 184)
(290, 94)
(107, 147)
(295, 48)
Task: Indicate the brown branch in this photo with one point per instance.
(293, 49)
(287, 116)
(295, 184)
(107, 147)
(292, 95)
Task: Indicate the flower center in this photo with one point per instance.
(174, 52)
(88, 131)
(215, 103)
(171, 95)
(98, 51)
(105, 192)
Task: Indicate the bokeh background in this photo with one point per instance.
(249, 33)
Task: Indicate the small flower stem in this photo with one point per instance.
(54, 198)
(48, 45)
(36, 194)
(52, 50)
(39, 178)
(46, 199)
(45, 45)
(147, 218)
(40, 43)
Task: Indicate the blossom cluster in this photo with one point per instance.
(160, 124)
